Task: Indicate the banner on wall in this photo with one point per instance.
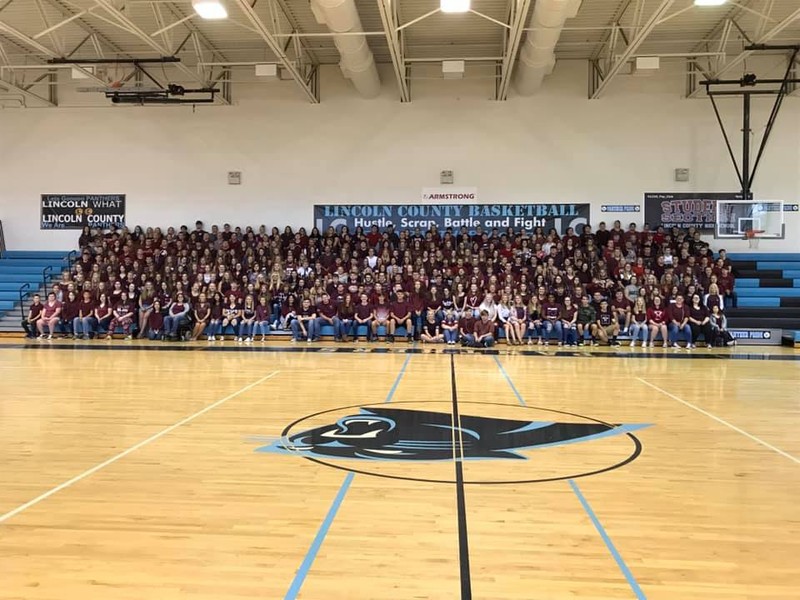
(684, 209)
(76, 211)
(488, 216)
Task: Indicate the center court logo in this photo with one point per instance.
(412, 442)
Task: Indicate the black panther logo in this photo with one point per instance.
(399, 434)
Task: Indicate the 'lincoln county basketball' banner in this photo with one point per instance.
(684, 209)
(76, 211)
(488, 216)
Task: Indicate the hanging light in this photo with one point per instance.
(454, 6)
(210, 9)
(709, 2)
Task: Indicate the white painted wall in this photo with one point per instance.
(558, 146)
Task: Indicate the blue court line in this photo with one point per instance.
(308, 561)
(510, 383)
(609, 544)
(305, 566)
(621, 563)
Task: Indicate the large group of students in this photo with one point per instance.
(451, 287)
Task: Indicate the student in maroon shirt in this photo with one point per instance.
(155, 322)
(364, 315)
(678, 322)
(34, 315)
(347, 312)
(551, 320)
(177, 315)
(569, 317)
(700, 322)
(215, 321)
(622, 307)
(327, 314)
(51, 315)
(102, 315)
(202, 316)
(122, 317)
(400, 315)
(69, 312)
(417, 301)
(484, 331)
(263, 315)
(657, 320)
(83, 322)
(466, 327)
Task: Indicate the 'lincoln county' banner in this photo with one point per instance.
(684, 209)
(76, 211)
(488, 216)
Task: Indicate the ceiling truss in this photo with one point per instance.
(410, 34)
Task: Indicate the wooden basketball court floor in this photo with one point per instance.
(191, 474)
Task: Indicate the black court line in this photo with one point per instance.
(461, 501)
(655, 354)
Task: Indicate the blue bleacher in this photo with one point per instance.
(779, 274)
(765, 256)
(18, 268)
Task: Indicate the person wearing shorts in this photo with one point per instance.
(607, 324)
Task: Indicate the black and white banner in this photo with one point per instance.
(76, 211)
(487, 216)
(684, 209)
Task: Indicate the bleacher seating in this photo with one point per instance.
(18, 268)
(768, 291)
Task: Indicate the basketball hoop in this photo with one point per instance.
(751, 235)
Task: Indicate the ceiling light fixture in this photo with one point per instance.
(709, 2)
(454, 6)
(210, 9)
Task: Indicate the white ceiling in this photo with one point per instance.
(97, 33)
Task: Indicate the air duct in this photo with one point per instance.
(537, 57)
(357, 62)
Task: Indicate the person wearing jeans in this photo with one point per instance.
(569, 318)
(305, 323)
(34, 314)
(449, 327)
(639, 326)
(82, 324)
(484, 330)
(177, 316)
(263, 314)
(327, 314)
(678, 322)
(363, 316)
(551, 320)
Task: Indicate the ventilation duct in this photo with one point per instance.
(537, 57)
(357, 62)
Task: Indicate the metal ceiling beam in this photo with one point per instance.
(766, 37)
(276, 49)
(12, 87)
(127, 24)
(389, 19)
(7, 29)
(646, 29)
(513, 39)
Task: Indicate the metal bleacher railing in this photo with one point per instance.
(2, 241)
(24, 293)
